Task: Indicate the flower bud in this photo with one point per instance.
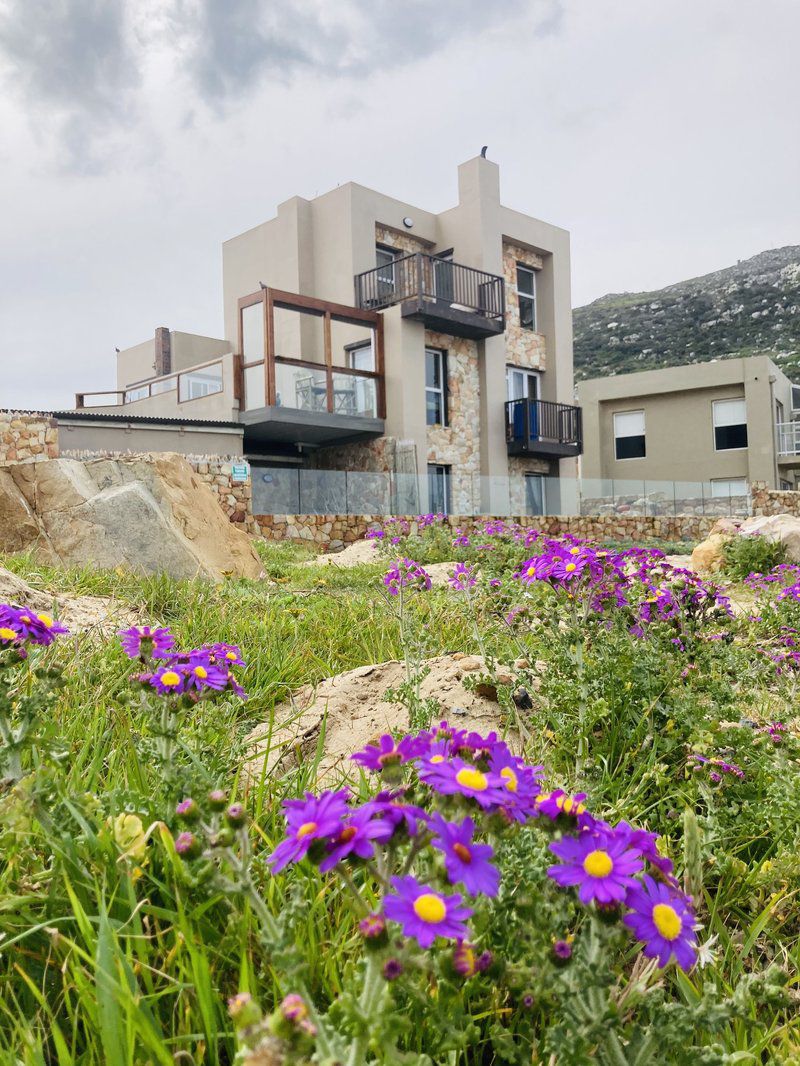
(244, 1011)
(222, 839)
(236, 816)
(217, 799)
(187, 845)
(392, 969)
(187, 810)
(562, 952)
(373, 929)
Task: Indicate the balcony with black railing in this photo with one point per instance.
(539, 427)
(446, 296)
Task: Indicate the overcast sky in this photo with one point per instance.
(137, 135)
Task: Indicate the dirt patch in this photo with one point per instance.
(79, 613)
(343, 713)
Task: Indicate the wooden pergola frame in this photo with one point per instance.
(309, 305)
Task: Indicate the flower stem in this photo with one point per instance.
(371, 993)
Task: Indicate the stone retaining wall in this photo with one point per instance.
(772, 501)
(26, 437)
(335, 531)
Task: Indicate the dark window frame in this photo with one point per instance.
(441, 471)
(443, 390)
(526, 297)
(732, 437)
(633, 445)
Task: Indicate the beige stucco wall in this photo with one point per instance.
(219, 406)
(188, 349)
(120, 436)
(679, 432)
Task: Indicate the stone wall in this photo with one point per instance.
(767, 501)
(403, 242)
(524, 347)
(335, 531)
(375, 456)
(26, 437)
(458, 444)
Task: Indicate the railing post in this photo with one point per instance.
(419, 277)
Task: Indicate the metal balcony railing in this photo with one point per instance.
(428, 278)
(539, 427)
(788, 434)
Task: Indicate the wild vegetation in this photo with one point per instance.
(611, 875)
(747, 309)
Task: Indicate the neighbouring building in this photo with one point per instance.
(730, 423)
(365, 334)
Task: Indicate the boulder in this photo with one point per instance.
(708, 556)
(150, 514)
(782, 527)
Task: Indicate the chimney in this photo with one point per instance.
(163, 346)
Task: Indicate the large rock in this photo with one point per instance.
(709, 555)
(782, 527)
(149, 514)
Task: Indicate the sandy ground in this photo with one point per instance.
(79, 613)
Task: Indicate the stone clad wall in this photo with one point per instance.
(26, 437)
(458, 444)
(773, 501)
(335, 531)
(524, 347)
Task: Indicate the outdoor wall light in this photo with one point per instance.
(408, 222)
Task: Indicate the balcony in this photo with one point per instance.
(538, 427)
(310, 373)
(788, 440)
(447, 297)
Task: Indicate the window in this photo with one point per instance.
(360, 356)
(438, 488)
(526, 293)
(786, 486)
(435, 387)
(730, 424)
(796, 397)
(629, 435)
(534, 494)
(522, 384)
(725, 487)
(385, 261)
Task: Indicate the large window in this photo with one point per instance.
(438, 488)
(534, 494)
(724, 487)
(526, 293)
(385, 261)
(629, 441)
(730, 424)
(522, 384)
(435, 387)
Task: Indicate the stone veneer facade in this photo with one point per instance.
(335, 531)
(401, 242)
(26, 437)
(458, 444)
(767, 501)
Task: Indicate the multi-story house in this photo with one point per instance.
(365, 334)
(727, 423)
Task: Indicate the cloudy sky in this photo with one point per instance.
(136, 135)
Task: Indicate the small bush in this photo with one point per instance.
(752, 554)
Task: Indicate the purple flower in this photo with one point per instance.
(662, 919)
(406, 573)
(424, 913)
(28, 626)
(463, 577)
(201, 674)
(356, 837)
(562, 950)
(386, 753)
(600, 862)
(146, 642)
(226, 653)
(307, 820)
(392, 969)
(372, 926)
(392, 809)
(466, 963)
(187, 845)
(464, 860)
(168, 680)
(646, 844)
(461, 778)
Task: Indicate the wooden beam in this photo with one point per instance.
(379, 367)
(269, 349)
(328, 359)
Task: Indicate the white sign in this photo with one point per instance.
(240, 472)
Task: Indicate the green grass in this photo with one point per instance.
(105, 961)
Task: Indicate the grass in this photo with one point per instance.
(104, 960)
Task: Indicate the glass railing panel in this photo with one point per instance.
(141, 392)
(276, 490)
(103, 399)
(354, 395)
(254, 385)
(368, 493)
(301, 388)
(163, 385)
(195, 384)
(323, 492)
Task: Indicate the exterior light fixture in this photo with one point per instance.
(408, 222)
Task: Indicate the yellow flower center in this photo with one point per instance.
(574, 551)
(510, 778)
(473, 779)
(48, 621)
(305, 829)
(347, 834)
(201, 672)
(7, 634)
(170, 678)
(570, 567)
(531, 571)
(568, 805)
(598, 864)
(25, 618)
(230, 654)
(463, 852)
(430, 908)
(667, 921)
(437, 758)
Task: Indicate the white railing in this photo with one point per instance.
(205, 379)
(788, 438)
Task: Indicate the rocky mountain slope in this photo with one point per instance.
(750, 308)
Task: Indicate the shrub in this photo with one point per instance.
(752, 554)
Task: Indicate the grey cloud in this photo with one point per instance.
(71, 63)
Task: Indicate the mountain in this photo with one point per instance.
(747, 309)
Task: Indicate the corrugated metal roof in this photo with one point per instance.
(152, 420)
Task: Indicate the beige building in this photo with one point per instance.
(363, 333)
(730, 422)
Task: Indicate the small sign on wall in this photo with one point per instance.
(240, 472)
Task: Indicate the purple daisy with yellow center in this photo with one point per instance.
(424, 913)
(28, 626)
(462, 778)
(168, 680)
(308, 820)
(201, 674)
(662, 919)
(465, 861)
(356, 837)
(386, 752)
(601, 863)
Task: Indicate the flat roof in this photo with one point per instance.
(150, 420)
